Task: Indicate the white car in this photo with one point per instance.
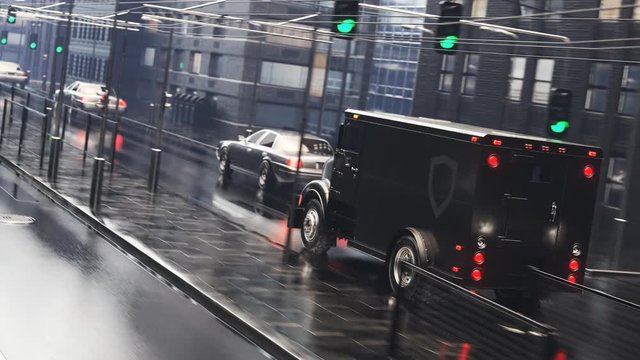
(91, 97)
(12, 73)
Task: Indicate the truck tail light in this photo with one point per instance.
(574, 265)
(493, 161)
(478, 258)
(293, 163)
(476, 274)
(572, 279)
(588, 171)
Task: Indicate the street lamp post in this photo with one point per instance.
(98, 164)
(54, 153)
(156, 151)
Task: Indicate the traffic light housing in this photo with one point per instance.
(559, 113)
(345, 18)
(33, 41)
(11, 15)
(59, 45)
(4, 37)
(447, 35)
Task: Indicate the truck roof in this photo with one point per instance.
(472, 131)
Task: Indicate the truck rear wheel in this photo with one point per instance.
(400, 277)
(313, 231)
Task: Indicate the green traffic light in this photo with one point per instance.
(11, 19)
(33, 45)
(449, 42)
(58, 49)
(559, 127)
(3, 41)
(346, 26)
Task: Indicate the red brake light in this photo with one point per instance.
(478, 258)
(493, 161)
(592, 154)
(545, 148)
(476, 274)
(497, 142)
(474, 139)
(122, 104)
(574, 265)
(455, 269)
(528, 146)
(572, 279)
(588, 171)
(292, 163)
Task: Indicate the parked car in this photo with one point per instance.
(12, 73)
(272, 157)
(91, 97)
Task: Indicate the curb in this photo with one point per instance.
(220, 306)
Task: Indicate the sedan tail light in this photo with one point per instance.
(122, 104)
(292, 163)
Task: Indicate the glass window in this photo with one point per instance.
(269, 139)
(196, 62)
(610, 14)
(479, 8)
(636, 10)
(214, 65)
(255, 137)
(528, 7)
(446, 73)
(178, 60)
(149, 56)
(542, 84)
(289, 145)
(553, 6)
(616, 178)
(470, 73)
(598, 89)
(280, 74)
(516, 78)
(334, 81)
(630, 91)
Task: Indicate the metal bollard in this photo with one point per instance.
(95, 198)
(395, 324)
(65, 118)
(4, 117)
(87, 130)
(43, 135)
(113, 146)
(154, 170)
(23, 126)
(13, 99)
(54, 158)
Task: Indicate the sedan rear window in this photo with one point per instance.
(289, 146)
(92, 89)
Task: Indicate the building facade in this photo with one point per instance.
(495, 82)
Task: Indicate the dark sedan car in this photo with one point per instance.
(272, 157)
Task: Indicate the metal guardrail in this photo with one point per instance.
(452, 314)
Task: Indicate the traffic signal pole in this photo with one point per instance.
(54, 151)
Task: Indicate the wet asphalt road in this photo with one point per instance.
(69, 294)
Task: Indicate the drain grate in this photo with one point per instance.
(16, 219)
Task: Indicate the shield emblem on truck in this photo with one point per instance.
(442, 177)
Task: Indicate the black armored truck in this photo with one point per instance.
(473, 204)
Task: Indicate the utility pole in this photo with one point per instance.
(156, 151)
(54, 153)
(98, 163)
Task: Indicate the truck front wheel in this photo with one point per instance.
(313, 230)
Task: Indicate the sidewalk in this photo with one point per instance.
(308, 312)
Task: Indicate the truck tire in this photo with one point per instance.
(415, 247)
(315, 237)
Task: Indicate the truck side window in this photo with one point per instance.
(351, 136)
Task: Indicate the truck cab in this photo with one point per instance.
(475, 205)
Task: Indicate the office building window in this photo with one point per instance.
(529, 7)
(469, 74)
(214, 65)
(479, 8)
(149, 56)
(542, 84)
(334, 81)
(598, 87)
(178, 60)
(551, 6)
(195, 62)
(610, 14)
(446, 73)
(630, 91)
(636, 10)
(280, 74)
(614, 187)
(516, 78)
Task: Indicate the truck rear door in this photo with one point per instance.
(533, 204)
